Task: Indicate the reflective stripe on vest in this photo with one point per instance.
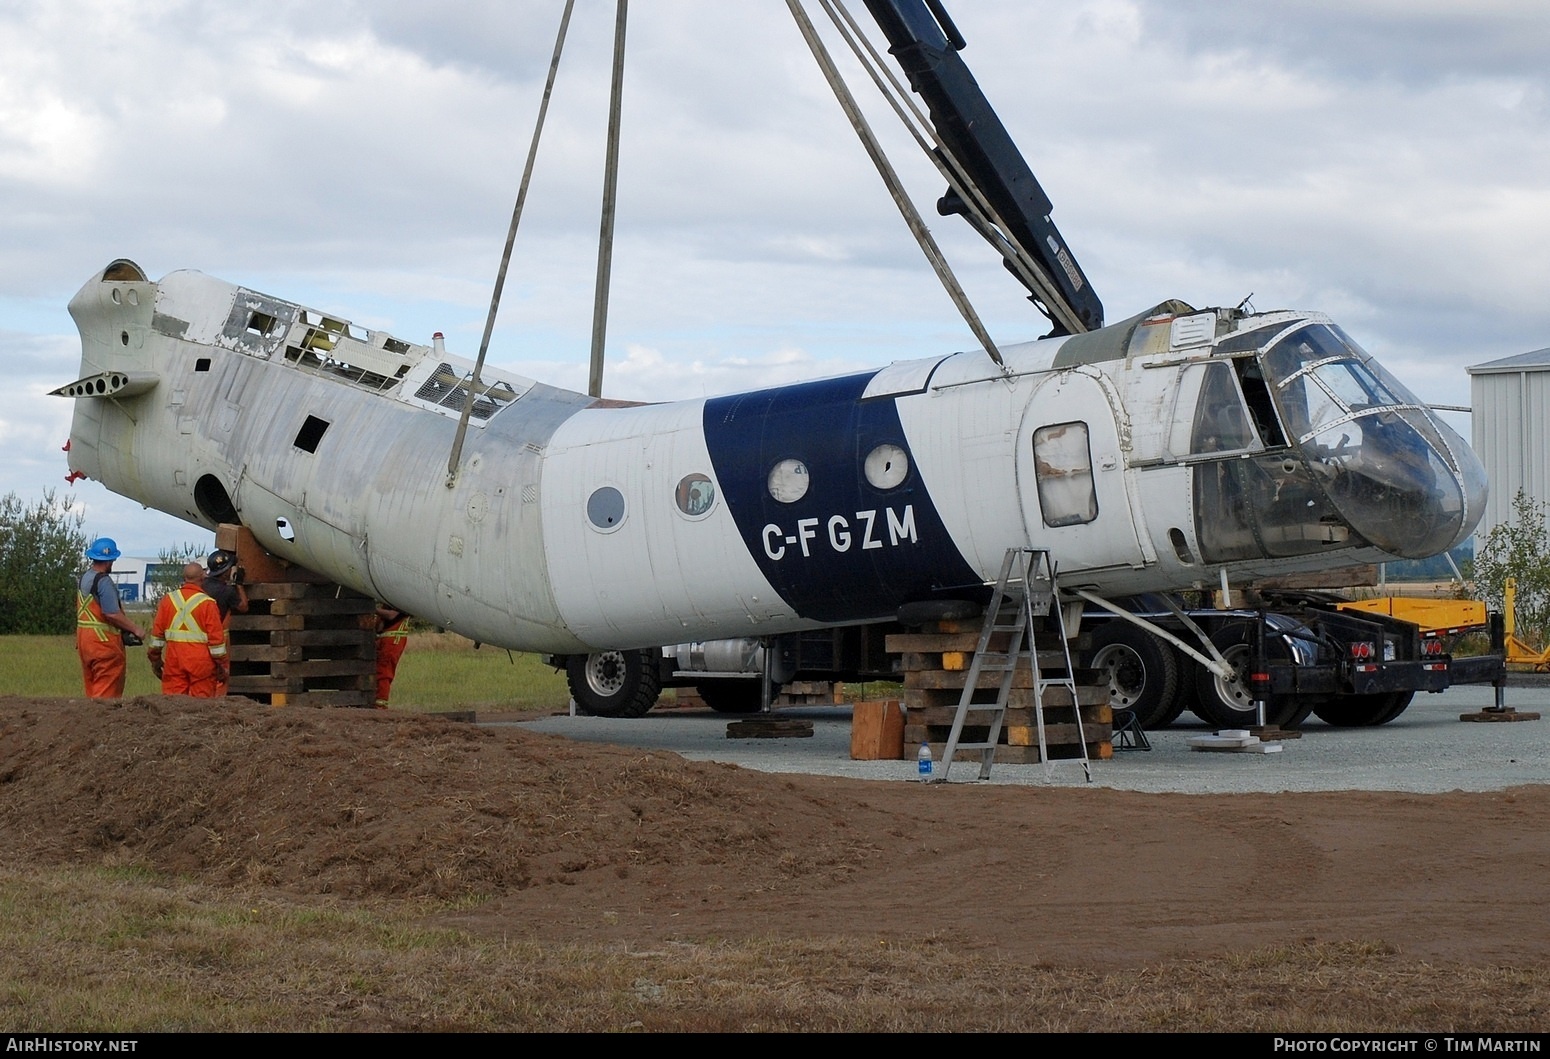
(85, 619)
(183, 628)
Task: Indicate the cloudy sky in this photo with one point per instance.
(1385, 161)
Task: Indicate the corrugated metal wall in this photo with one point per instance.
(1510, 430)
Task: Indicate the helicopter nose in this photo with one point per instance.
(1413, 487)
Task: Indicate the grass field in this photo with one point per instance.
(121, 950)
(439, 671)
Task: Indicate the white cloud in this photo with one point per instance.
(1379, 160)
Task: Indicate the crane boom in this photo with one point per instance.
(925, 43)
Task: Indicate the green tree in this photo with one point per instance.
(42, 547)
(1520, 549)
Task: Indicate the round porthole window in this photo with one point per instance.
(695, 495)
(887, 466)
(788, 481)
(605, 508)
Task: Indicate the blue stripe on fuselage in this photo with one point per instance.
(846, 551)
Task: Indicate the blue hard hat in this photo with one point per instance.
(103, 550)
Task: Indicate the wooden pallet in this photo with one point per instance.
(304, 641)
(936, 662)
(797, 693)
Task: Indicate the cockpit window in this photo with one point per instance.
(1323, 379)
(1372, 456)
(1301, 348)
(1221, 424)
(1247, 341)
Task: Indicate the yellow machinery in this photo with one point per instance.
(1436, 617)
(1518, 652)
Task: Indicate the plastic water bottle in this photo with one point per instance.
(923, 763)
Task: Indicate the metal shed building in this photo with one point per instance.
(1510, 430)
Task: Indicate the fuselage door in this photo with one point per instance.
(1071, 476)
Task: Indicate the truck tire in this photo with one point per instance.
(1141, 672)
(1364, 711)
(732, 696)
(1228, 703)
(614, 683)
(1181, 698)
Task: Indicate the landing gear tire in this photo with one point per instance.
(1142, 675)
(1227, 702)
(1364, 711)
(614, 683)
(732, 696)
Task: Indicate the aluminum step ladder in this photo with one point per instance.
(1026, 590)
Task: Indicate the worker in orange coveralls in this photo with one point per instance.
(188, 627)
(223, 583)
(100, 624)
(392, 638)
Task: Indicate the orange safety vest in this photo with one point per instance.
(100, 646)
(188, 624)
(88, 615)
(182, 624)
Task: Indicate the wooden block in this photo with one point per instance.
(1028, 735)
(810, 688)
(267, 622)
(936, 643)
(258, 564)
(324, 637)
(1011, 735)
(330, 698)
(348, 605)
(264, 653)
(324, 667)
(263, 684)
(769, 728)
(1025, 755)
(877, 731)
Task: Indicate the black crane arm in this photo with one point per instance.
(925, 43)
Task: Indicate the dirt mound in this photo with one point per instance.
(564, 841)
(360, 802)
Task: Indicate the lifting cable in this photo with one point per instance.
(511, 238)
(605, 238)
(979, 211)
(885, 170)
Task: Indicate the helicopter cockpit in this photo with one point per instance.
(1330, 451)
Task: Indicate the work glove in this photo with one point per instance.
(155, 659)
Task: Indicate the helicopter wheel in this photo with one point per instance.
(1227, 702)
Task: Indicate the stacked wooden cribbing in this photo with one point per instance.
(936, 667)
(797, 693)
(808, 693)
(304, 641)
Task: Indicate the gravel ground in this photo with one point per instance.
(1426, 750)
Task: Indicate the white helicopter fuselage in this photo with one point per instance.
(573, 524)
